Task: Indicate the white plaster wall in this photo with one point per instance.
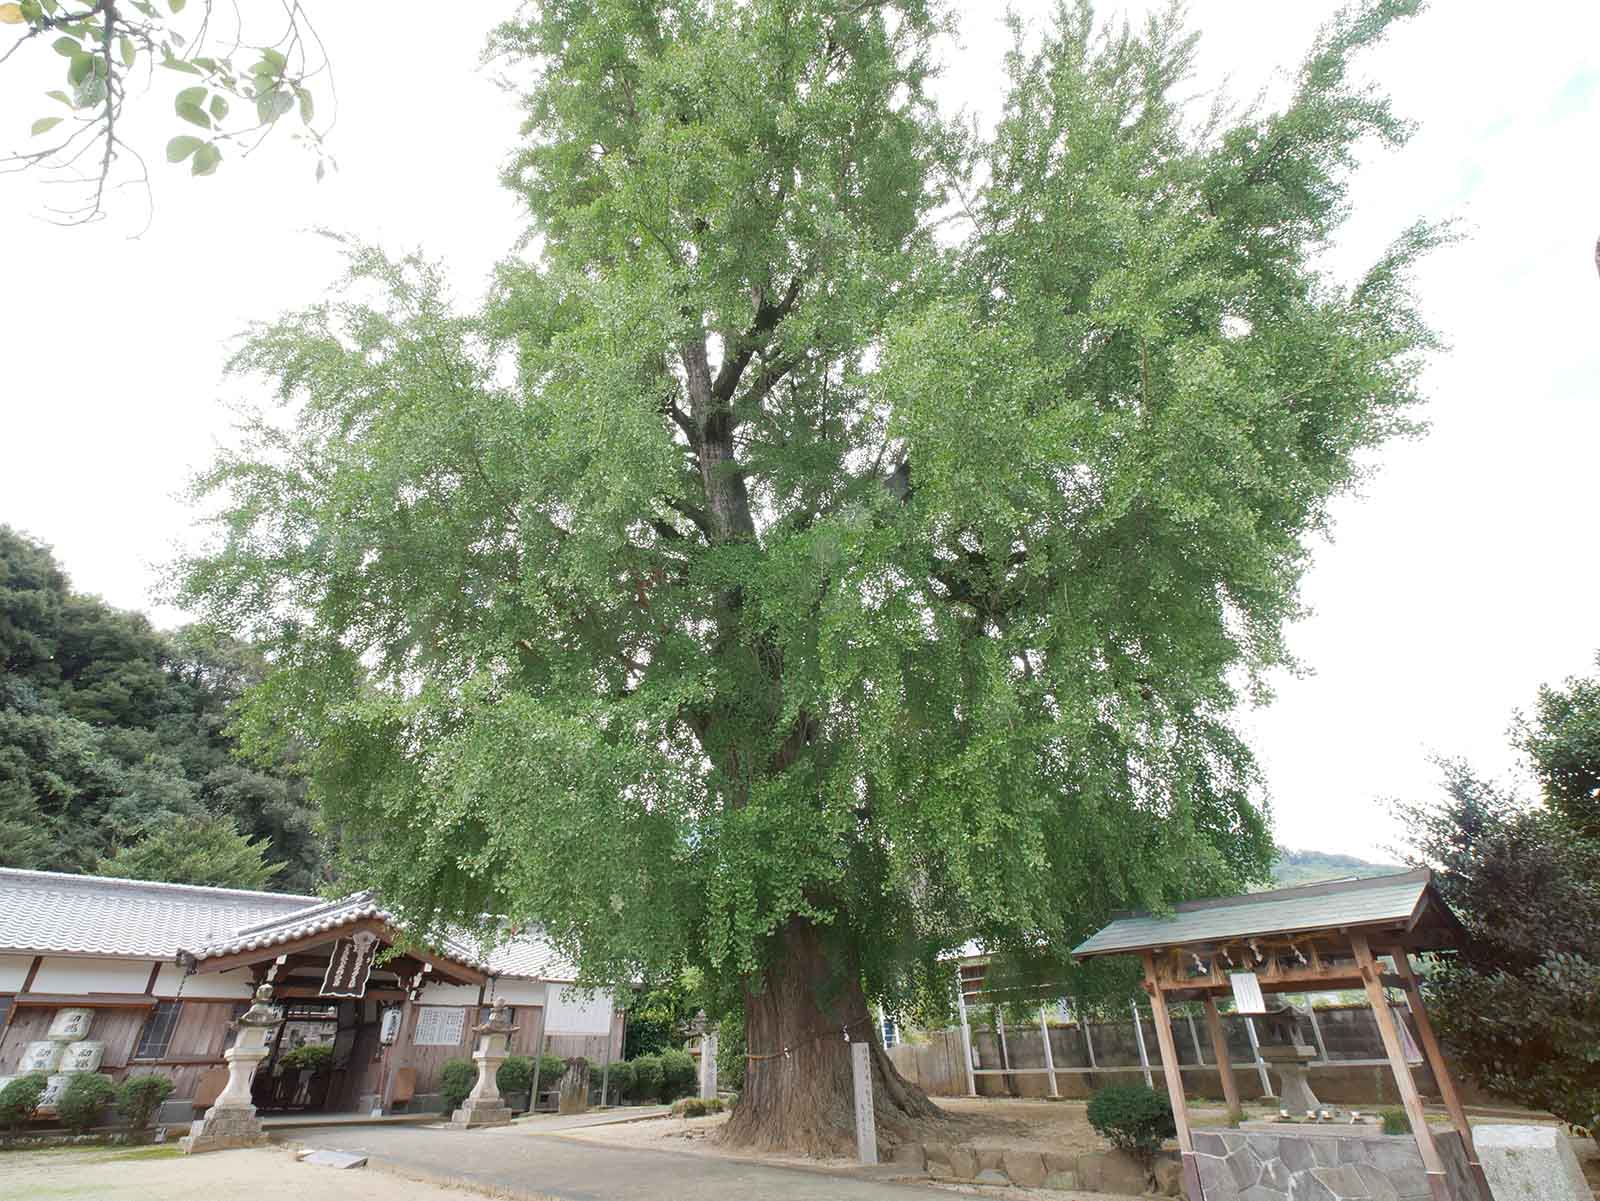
(520, 992)
(204, 986)
(13, 971)
(92, 975)
(571, 1012)
(449, 994)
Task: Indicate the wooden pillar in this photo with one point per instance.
(1438, 1182)
(1049, 1055)
(1219, 1048)
(1174, 1075)
(1441, 1071)
(395, 1055)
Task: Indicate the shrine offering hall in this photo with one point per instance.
(149, 978)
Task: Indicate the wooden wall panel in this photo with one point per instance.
(28, 1024)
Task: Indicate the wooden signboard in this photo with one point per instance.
(350, 965)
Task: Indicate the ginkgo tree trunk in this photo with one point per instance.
(840, 535)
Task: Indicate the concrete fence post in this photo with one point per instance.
(1144, 1055)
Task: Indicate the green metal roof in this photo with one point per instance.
(1374, 901)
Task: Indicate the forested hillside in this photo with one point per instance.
(1309, 867)
(114, 751)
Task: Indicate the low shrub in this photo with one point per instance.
(551, 1069)
(84, 1099)
(619, 1076)
(140, 1097)
(515, 1075)
(647, 1077)
(19, 1100)
(1395, 1121)
(456, 1081)
(307, 1056)
(677, 1074)
(697, 1107)
(1132, 1118)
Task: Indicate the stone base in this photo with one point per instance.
(1335, 1165)
(481, 1113)
(1530, 1163)
(223, 1128)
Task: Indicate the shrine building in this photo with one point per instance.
(161, 970)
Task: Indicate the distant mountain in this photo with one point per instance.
(1311, 867)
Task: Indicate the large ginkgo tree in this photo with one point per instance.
(842, 534)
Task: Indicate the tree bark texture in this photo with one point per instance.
(797, 1092)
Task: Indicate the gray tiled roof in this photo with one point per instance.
(56, 913)
(91, 915)
(533, 958)
(1376, 900)
(315, 919)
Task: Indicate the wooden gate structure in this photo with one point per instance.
(1347, 934)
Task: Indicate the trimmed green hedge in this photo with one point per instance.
(1133, 1118)
(19, 1100)
(515, 1075)
(456, 1081)
(646, 1077)
(678, 1076)
(84, 1099)
(140, 1097)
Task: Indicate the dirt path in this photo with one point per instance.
(165, 1174)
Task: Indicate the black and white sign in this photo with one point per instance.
(439, 1026)
(1247, 996)
(350, 965)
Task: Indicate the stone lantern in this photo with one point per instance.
(1280, 1046)
(232, 1121)
(484, 1106)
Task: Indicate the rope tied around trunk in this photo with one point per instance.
(844, 1032)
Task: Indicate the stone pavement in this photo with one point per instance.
(516, 1162)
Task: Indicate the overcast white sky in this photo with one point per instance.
(1464, 577)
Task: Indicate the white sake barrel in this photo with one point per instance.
(40, 1056)
(70, 1025)
(83, 1057)
(53, 1089)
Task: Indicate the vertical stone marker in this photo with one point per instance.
(1530, 1163)
(866, 1126)
(708, 1066)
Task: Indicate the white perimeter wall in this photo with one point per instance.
(573, 1011)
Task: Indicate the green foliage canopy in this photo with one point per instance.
(1517, 1005)
(194, 850)
(115, 744)
(841, 518)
